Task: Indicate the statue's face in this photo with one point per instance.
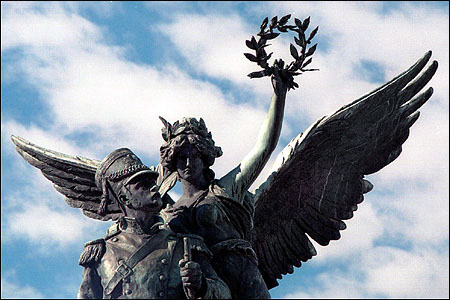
(143, 194)
(189, 163)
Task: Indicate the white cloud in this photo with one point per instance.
(214, 44)
(421, 273)
(206, 40)
(123, 106)
(360, 235)
(68, 63)
(420, 215)
(409, 203)
(11, 289)
(334, 286)
(23, 209)
(383, 272)
(23, 25)
(59, 228)
(71, 77)
(364, 34)
(38, 136)
(39, 215)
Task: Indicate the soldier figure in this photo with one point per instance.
(139, 257)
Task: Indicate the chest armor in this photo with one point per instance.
(157, 276)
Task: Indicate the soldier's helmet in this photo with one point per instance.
(116, 170)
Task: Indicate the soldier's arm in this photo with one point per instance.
(91, 287)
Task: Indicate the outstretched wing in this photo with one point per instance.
(72, 176)
(320, 180)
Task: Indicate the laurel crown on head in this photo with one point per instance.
(186, 126)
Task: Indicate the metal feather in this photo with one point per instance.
(317, 180)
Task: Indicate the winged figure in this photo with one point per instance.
(137, 248)
(317, 183)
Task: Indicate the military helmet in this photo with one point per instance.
(116, 170)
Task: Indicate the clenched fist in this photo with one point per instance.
(191, 277)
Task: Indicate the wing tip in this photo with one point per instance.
(428, 93)
(20, 142)
(367, 186)
(15, 139)
(412, 119)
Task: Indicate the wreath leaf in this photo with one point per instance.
(286, 71)
(268, 56)
(284, 20)
(311, 50)
(273, 22)
(257, 74)
(251, 57)
(307, 62)
(294, 52)
(264, 24)
(313, 34)
(300, 42)
(305, 24)
(254, 42)
(262, 42)
(261, 52)
(250, 45)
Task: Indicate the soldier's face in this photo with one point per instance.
(189, 163)
(143, 194)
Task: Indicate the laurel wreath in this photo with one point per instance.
(302, 58)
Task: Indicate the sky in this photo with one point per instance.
(85, 78)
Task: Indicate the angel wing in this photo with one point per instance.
(72, 176)
(320, 180)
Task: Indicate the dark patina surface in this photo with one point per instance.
(219, 240)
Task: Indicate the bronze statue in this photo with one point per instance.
(251, 239)
(139, 257)
(319, 183)
(220, 210)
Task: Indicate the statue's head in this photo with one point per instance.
(186, 137)
(123, 177)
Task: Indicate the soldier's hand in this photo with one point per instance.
(191, 277)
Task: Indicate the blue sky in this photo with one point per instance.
(86, 78)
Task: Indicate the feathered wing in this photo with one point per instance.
(320, 180)
(72, 176)
(166, 181)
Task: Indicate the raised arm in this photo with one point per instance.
(239, 180)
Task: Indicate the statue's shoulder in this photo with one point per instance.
(92, 253)
(112, 231)
(227, 188)
(95, 249)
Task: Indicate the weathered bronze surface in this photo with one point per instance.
(219, 240)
